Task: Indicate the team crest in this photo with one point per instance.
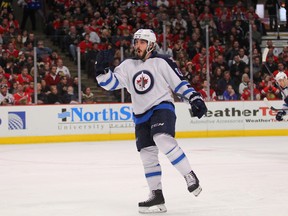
(143, 82)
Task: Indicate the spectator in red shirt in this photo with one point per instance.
(281, 68)
(21, 97)
(196, 59)
(12, 52)
(4, 26)
(246, 95)
(204, 92)
(24, 77)
(216, 47)
(85, 44)
(268, 88)
(52, 78)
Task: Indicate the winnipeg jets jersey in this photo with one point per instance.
(285, 94)
(149, 82)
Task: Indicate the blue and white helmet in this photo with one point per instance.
(280, 75)
(148, 35)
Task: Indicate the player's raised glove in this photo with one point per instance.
(280, 114)
(103, 61)
(101, 68)
(198, 106)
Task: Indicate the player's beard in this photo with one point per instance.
(139, 56)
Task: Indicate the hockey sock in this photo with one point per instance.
(168, 145)
(152, 168)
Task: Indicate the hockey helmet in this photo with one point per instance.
(148, 35)
(280, 75)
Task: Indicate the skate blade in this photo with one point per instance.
(197, 191)
(153, 209)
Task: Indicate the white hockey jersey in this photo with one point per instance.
(149, 82)
(285, 94)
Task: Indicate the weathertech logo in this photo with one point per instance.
(16, 120)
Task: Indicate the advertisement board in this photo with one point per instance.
(59, 123)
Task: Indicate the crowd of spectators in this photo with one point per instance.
(55, 85)
(98, 25)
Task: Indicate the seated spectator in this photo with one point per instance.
(215, 77)
(85, 45)
(223, 82)
(12, 52)
(54, 58)
(281, 68)
(62, 86)
(52, 78)
(204, 92)
(196, 82)
(21, 97)
(44, 87)
(223, 26)
(93, 36)
(220, 63)
(216, 47)
(41, 96)
(256, 68)
(71, 40)
(27, 49)
(5, 97)
(246, 95)
(63, 69)
(43, 53)
(229, 93)
(12, 21)
(5, 75)
(268, 88)
(69, 97)
(75, 85)
(53, 97)
(231, 52)
(269, 65)
(88, 96)
(244, 84)
(24, 77)
(90, 60)
(243, 57)
(29, 88)
(237, 69)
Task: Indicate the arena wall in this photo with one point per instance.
(98, 122)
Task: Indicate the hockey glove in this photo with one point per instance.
(103, 60)
(198, 106)
(280, 114)
(101, 68)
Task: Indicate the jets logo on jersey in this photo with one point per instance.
(143, 82)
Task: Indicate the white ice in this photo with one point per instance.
(239, 176)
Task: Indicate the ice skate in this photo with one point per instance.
(155, 204)
(193, 183)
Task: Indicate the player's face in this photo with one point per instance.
(140, 47)
(283, 83)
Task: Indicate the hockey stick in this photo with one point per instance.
(180, 96)
(266, 101)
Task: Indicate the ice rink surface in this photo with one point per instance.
(239, 176)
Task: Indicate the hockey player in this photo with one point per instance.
(149, 78)
(281, 79)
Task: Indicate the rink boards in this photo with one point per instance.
(98, 122)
